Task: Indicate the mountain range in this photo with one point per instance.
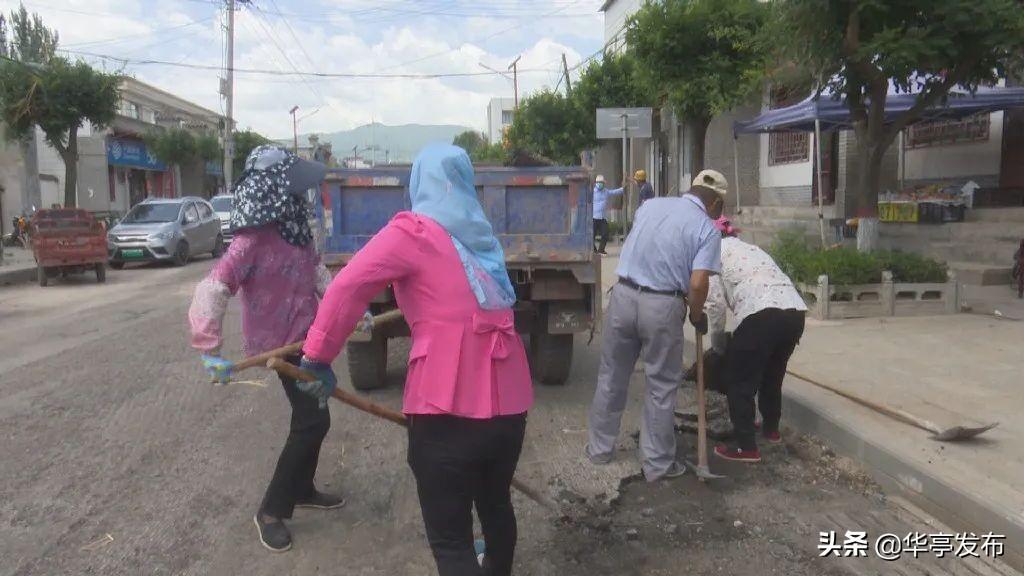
(399, 144)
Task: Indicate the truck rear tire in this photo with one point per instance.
(368, 363)
(42, 276)
(551, 357)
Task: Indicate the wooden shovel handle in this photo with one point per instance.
(360, 403)
(702, 417)
(295, 348)
(354, 400)
(894, 413)
(292, 349)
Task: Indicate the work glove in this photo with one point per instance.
(323, 387)
(700, 323)
(218, 368)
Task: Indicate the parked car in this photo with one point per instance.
(171, 229)
(222, 204)
(67, 241)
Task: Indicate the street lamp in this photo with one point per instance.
(295, 130)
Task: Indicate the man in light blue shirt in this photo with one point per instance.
(666, 264)
(601, 194)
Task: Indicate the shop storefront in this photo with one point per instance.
(135, 174)
(213, 183)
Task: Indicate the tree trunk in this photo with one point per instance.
(699, 127)
(863, 202)
(70, 157)
(30, 194)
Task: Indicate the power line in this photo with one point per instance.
(119, 39)
(411, 76)
(501, 10)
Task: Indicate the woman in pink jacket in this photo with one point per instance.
(468, 387)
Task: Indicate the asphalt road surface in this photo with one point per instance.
(117, 458)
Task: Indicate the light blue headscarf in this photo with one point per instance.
(441, 187)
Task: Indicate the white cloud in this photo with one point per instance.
(339, 44)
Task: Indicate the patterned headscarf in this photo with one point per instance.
(265, 193)
(724, 226)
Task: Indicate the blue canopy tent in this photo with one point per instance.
(826, 112)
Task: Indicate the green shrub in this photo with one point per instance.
(847, 266)
(909, 267)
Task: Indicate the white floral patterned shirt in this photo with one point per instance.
(750, 282)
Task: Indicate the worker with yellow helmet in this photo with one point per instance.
(645, 188)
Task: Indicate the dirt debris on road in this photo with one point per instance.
(110, 428)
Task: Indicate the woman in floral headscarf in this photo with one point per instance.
(273, 263)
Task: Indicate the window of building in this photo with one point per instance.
(149, 115)
(942, 132)
(787, 147)
(128, 109)
(507, 116)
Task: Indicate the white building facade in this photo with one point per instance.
(500, 113)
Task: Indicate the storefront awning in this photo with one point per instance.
(833, 113)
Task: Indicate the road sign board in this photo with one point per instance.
(637, 122)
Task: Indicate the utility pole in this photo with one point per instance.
(228, 90)
(565, 68)
(295, 130)
(625, 168)
(514, 67)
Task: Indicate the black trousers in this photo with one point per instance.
(296, 466)
(460, 463)
(756, 362)
(601, 229)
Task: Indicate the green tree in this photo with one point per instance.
(208, 147)
(174, 146)
(560, 127)
(58, 96)
(30, 40)
(861, 47)
(704, 56)
(470, 141)
(245, 142)
(551, 125)
(489, 154)
(614, 81)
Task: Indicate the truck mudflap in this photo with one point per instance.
(568, 317)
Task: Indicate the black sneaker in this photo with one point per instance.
(321, 501)
(274, 535)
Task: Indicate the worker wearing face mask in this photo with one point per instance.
(601, 194)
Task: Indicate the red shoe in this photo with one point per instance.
(772, 437)
(737, 455)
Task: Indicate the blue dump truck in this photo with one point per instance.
(542, 215)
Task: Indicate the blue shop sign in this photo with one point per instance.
(214, 168)
(133, 153)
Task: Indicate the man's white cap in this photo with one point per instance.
(712, 179)
(599, 179)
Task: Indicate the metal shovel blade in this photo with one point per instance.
(962, 432)
(703, 472)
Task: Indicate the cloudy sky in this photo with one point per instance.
(337, 37)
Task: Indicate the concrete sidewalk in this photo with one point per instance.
(18, 266)
(960, 369)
